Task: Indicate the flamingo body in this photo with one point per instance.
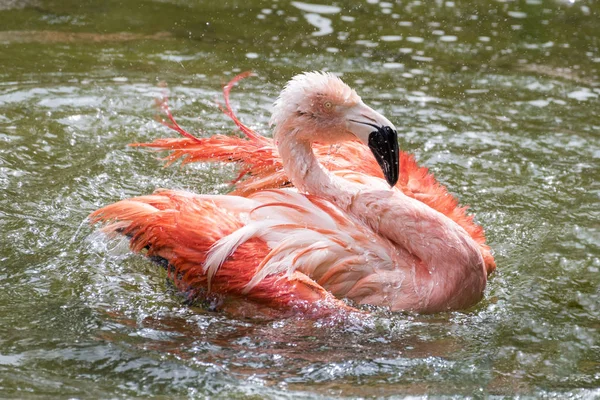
(263, 247)
(344, 235)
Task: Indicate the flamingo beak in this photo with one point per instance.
(374, 130)
(384, 145)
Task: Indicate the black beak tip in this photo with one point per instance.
(384, 144)
(392, 180)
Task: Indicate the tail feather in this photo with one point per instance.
(250, 134)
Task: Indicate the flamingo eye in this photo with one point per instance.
(328, 105)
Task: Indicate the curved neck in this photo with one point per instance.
(308, 175)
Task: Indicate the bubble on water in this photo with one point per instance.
(367, 43)
(517, 14)
(415, 39)
(539, 103)
(582, 94)
(393, 65)
(448, 38)
(391, 38)
(421, 58)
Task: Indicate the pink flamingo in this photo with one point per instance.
(342, 233)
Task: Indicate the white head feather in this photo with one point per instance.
(301, 92)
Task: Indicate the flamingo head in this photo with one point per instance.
(320, 107)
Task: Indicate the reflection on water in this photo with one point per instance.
(498, 99)
(314, 16)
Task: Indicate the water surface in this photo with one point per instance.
(499, 99)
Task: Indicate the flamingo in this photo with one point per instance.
(307, 229)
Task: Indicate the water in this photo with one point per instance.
(499, 99)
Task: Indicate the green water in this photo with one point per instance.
(500, 100)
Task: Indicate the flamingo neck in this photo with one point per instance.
(308, 175)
